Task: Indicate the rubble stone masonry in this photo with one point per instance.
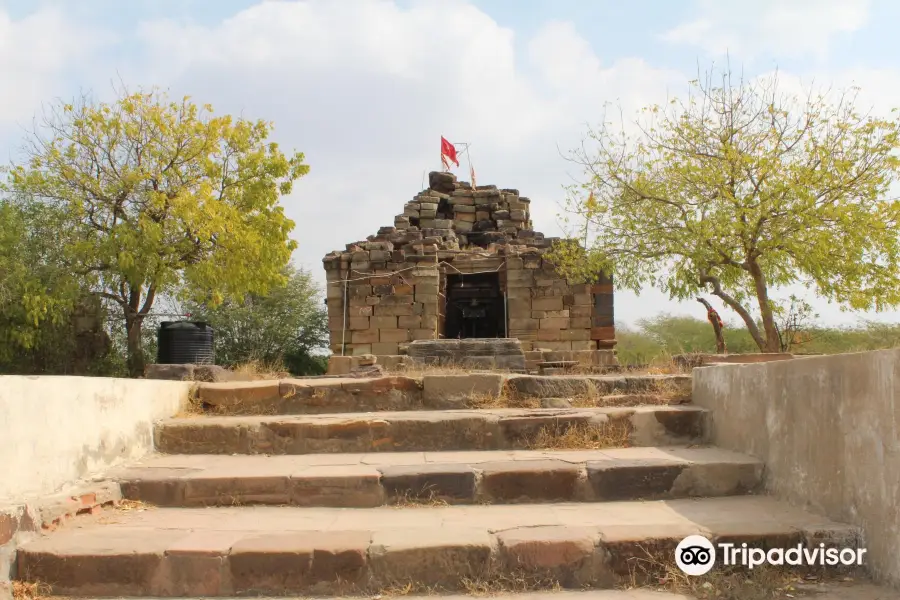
(389, 290)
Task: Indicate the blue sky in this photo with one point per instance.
(615, 29)
(366, 87)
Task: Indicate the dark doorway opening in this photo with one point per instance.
(474, 307)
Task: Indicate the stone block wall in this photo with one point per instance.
(827, 429)
(388, 290)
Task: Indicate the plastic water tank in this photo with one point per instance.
(185, 343)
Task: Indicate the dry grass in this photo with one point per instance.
(623, 400)
(660, 393)
(723, 583)
(494, 581)
(581, 436)
(256, 370)
(504, 400)
(665, 364)
(236, 409)
(132, 506)
(583, 369)
(662, 365)
(404, 589)
(425, 498)
(193, 407)
(231, 407)
(24, 590)
(419, 369)
(499, 583)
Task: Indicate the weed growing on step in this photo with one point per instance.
(659, 392)
(404, 589)
(496, 583)
(723, 583)
(491, 581)
(27, 590)
(193, 407)
(427, 497)
(258, 370)
(581, 436)
(503, 400)
(621, 401)
(413, 369)
(663, 393)
(232, 407)
(132, 506)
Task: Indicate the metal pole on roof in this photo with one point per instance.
(344, 328)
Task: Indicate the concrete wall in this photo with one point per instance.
(828, 429)
(57, 430)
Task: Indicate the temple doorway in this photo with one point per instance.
(474, 307)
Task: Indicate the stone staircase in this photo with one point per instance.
(425, 492)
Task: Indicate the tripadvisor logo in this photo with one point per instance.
(696, 555)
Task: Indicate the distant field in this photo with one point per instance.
(657, 339)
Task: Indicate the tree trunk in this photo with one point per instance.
(133, 326)
(773, 341)
(734, 304)
(720, 339)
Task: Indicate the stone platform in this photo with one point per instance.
(501, 354)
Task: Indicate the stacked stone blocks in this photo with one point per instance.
(388, 290)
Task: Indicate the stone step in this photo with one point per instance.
(833, 590)
(169, 552)
(844, 590)
(423, 431)
(488, 477)
(427, 392)
(562, 386)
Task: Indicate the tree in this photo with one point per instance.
(36, 289)
(283, 327)
(162, 196)
(738, 190)
(717, 324)
(795, 324)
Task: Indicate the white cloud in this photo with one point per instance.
(786, 28)
(366, 89)
(35, 54)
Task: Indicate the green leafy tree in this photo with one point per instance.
(36, 288)
(737, 190)
(282, 327)
(161, 196)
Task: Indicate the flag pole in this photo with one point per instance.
(471, 171)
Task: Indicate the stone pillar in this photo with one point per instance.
(603, 329)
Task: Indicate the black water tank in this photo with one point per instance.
(185, 343)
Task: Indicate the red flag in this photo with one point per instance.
(448, 151)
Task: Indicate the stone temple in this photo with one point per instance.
(464, 264)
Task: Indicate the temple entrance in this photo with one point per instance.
(474, 307)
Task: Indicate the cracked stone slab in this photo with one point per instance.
(265, 550)
(423, 431)
(499, 476)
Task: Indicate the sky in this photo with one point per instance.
(366, 88)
